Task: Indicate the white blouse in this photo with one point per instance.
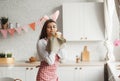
(44, 55)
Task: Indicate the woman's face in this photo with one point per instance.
(51, 28)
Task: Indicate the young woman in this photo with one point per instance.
(49, 61)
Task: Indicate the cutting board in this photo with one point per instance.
(85, 54)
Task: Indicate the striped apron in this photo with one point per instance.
(48, 72)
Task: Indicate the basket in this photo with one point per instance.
(6, 60)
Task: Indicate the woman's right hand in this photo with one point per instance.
(58, 34)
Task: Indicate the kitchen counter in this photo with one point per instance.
(114, 71)
(68, 63)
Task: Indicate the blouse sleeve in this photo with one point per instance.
(49, 58)
(61, 53)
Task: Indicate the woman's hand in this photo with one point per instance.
(58, 34)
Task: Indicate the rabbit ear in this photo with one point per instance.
(45, 17)
(55, 15)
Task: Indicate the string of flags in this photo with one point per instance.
(32, 25)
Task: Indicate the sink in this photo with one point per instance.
(114, 70)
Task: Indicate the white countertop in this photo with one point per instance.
(68, 63)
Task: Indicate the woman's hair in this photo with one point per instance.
(44, 32)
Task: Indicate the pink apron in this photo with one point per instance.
(48, 72)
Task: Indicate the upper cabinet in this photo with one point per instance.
(83, 21)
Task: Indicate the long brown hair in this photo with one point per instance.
(43, 33)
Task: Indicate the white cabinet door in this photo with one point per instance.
(70, 26)
(66, 74)
(20, 73)
(83, 21)
(2, 72)
(81, 73)
(78, 75)
(94, 26)
(16, 73)
(91, 73)
(31, 73)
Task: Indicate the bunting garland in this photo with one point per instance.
(18, 30)
(4, 33)
(25, 28)
(32, 25)
(11, 31)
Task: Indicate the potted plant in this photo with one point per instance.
(9, 55)
(2, 55)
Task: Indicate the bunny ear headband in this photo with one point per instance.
(54, 16)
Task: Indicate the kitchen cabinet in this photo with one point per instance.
(20, 73)
(2, 72)
(81, 73)
(64, 72)
(91, 73)
(31, 73)
(83, 21)
(16, 73)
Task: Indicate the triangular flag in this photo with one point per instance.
(11, 31)
(18, 29)
(32, 25)
(4, 33)
(25, 28)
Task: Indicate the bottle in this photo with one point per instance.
(85, 54)
(77, 59)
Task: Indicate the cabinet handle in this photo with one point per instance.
(80, 68)
(85, 37)
(18, 80)
(31, 68)
(81, 38)
(76, 68)
(27, 68)
(119, 76)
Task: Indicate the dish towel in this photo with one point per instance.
(54, 44)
